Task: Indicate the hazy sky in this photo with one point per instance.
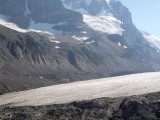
(145, 14)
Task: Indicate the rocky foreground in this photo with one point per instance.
(144, 107)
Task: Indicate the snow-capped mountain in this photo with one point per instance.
(101, 15)
(97, 14)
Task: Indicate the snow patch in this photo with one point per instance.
(4, 20)
(52, 39)
(80, 38)
(84, 32)
(57, 47)
(119, 44)
(55, 41)
(35, 27)
(77, 38)
(125, 47)
(89, 42)
(108, 1)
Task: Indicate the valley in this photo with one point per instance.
(76, 60)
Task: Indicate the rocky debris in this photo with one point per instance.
(130, 108)
(89, 105)
(144, 107)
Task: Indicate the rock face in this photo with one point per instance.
(120, 12)
(23, 12)
(93, 7)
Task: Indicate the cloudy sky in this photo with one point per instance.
(145, 14)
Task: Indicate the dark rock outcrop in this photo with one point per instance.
(87, 105)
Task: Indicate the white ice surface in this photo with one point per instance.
(128, 85)
(107, 24)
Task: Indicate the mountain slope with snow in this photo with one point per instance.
(26, 14)
(106, 24)
(92, 39)
(135, 84)
(154, 41)
(97, 15)
(4, 20)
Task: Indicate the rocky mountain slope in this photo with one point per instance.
(24, 12)
(78, 47)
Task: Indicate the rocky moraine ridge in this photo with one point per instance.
(144, 107)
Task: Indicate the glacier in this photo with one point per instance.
(128, 85)
(103, 22)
